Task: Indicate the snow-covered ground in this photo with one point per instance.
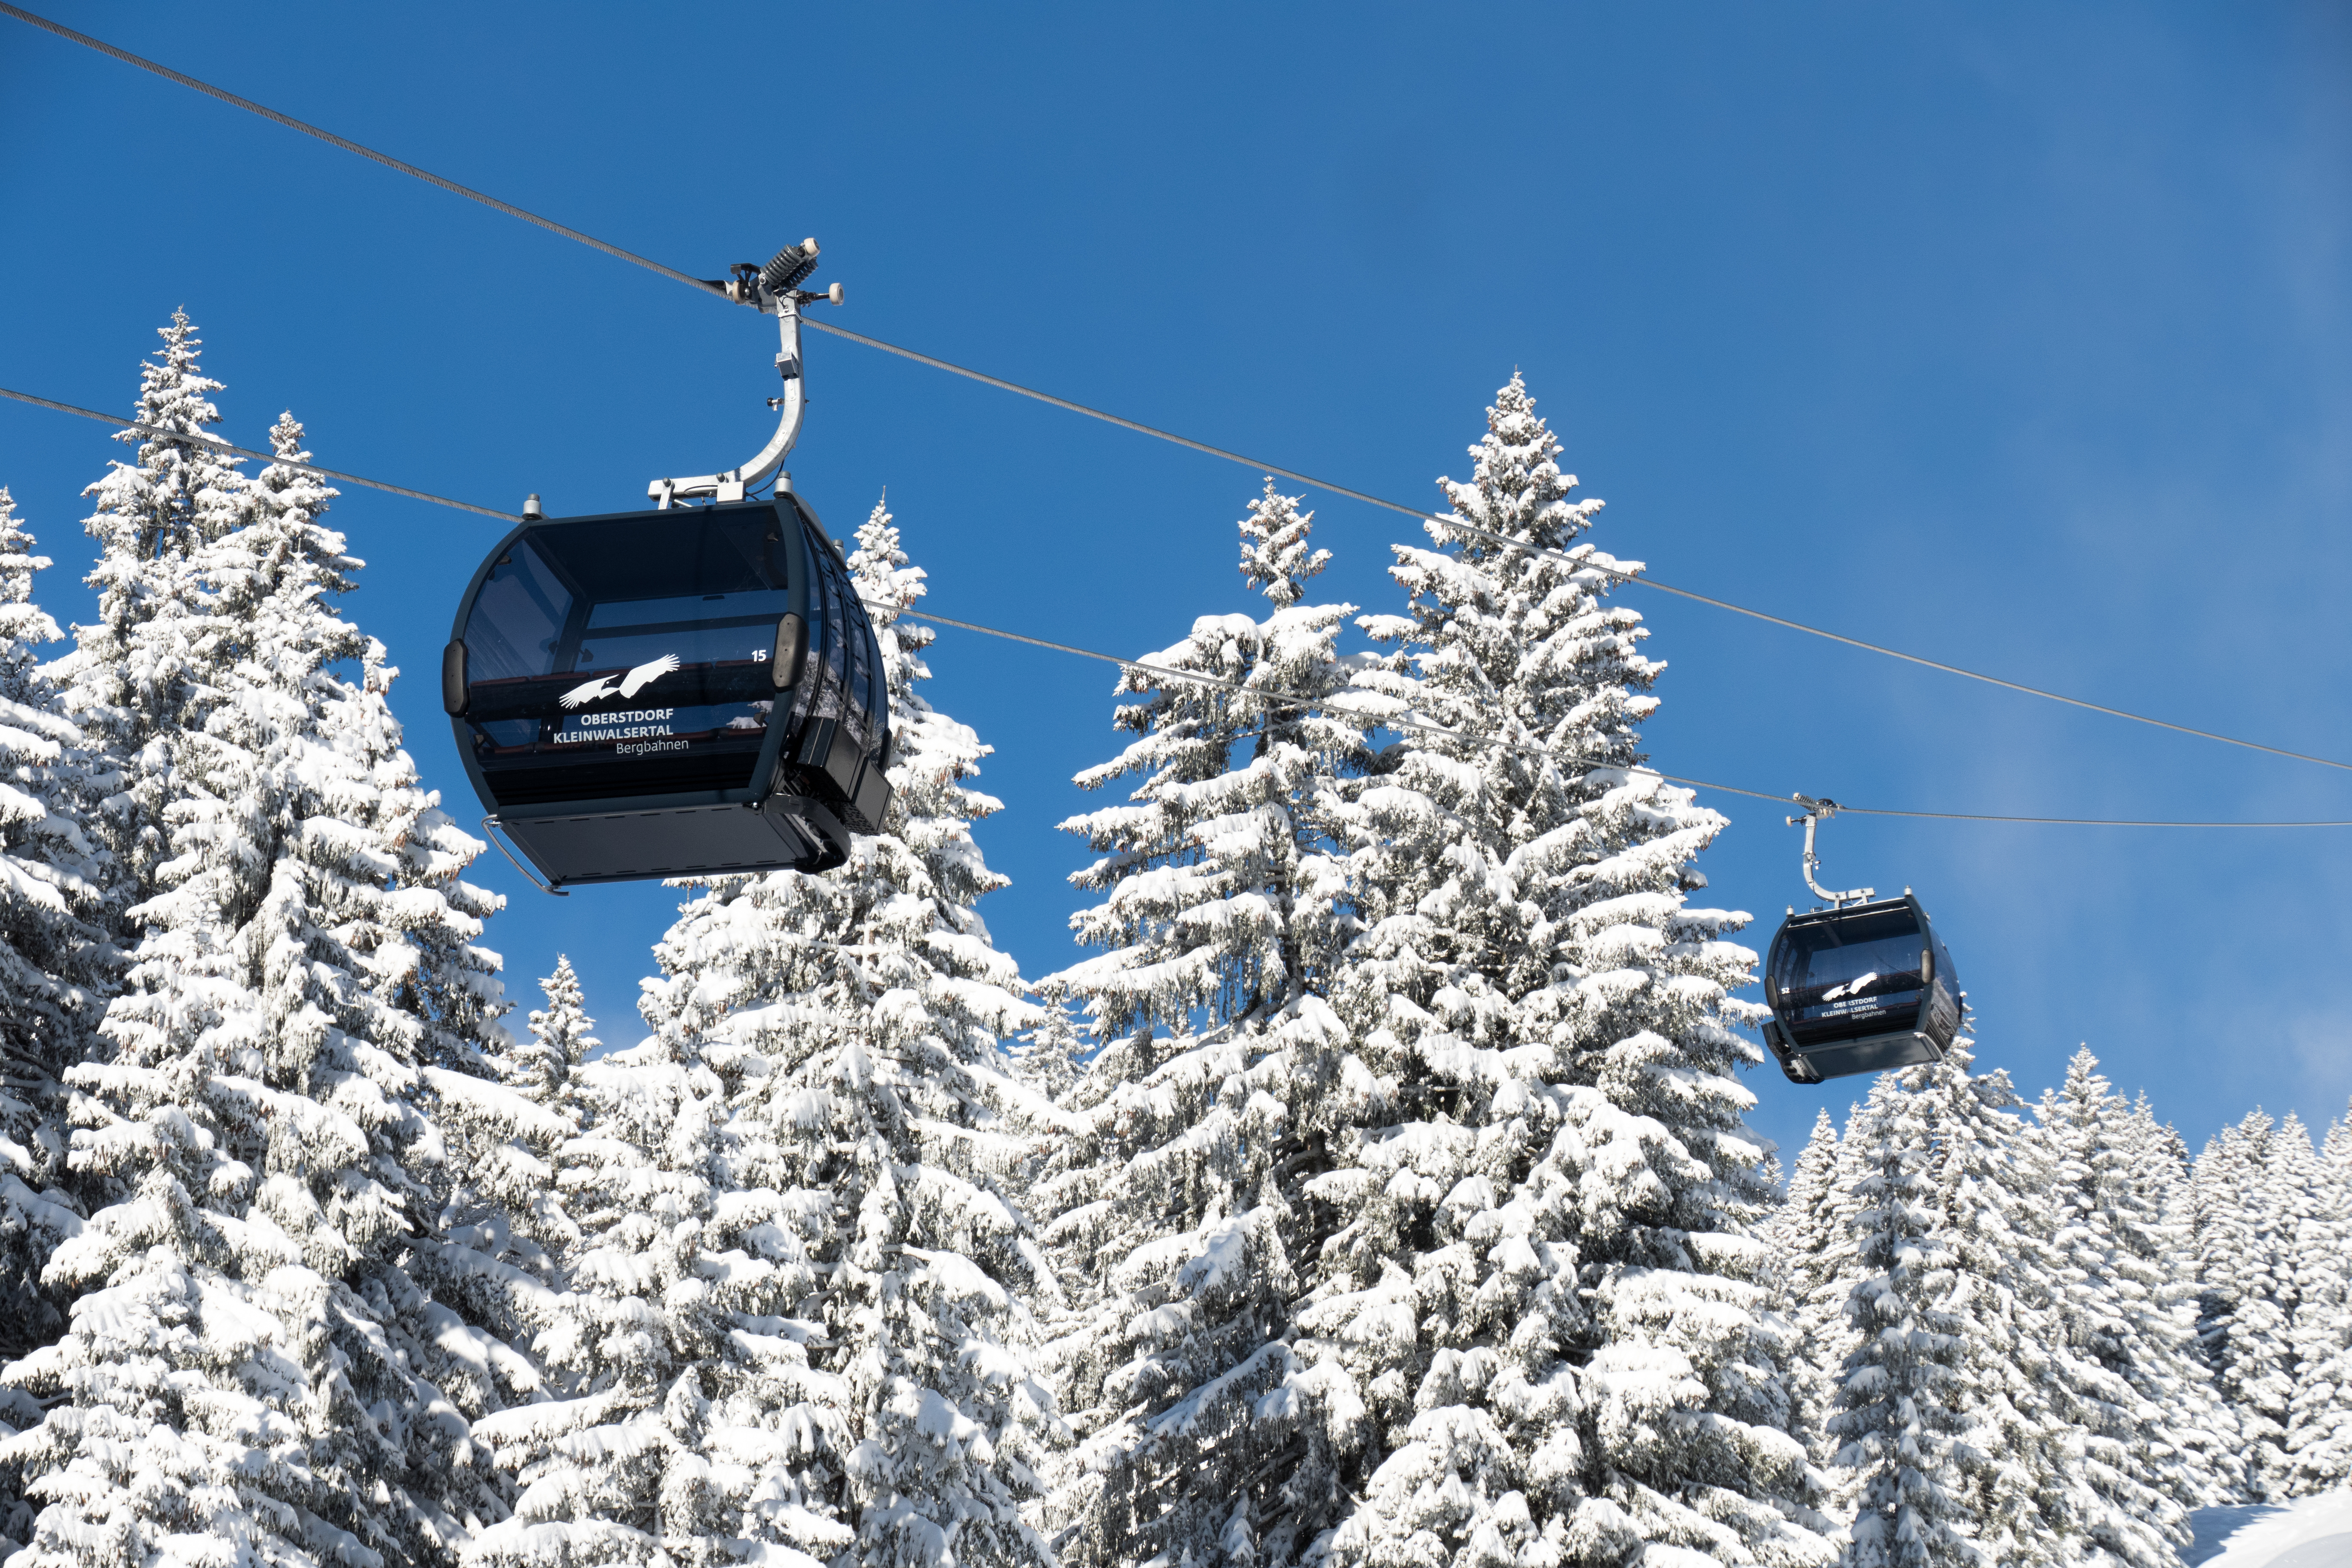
(2314, 1532)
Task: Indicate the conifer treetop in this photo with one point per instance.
(1275, 558)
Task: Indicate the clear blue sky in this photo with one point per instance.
(2014, 335)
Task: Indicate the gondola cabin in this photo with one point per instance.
(684, 691)
(1858, 989)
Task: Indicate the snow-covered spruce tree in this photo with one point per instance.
(1225, 874)
(1175, 1195)
(252, 1363)
(1812, 1238)
(1543, 1270)
(1051, 1057)
(2319, 1418)
(795, 1323)
(2125, 1356)
(2245, 1228)
(682, 1388)
(1903, 1422)
(2288, 1198)
(559, 1040)
(505, 1233)
(2012, 1473)
(2202, 1419)
(129, 675)
(1992, 1173)
(54, 958)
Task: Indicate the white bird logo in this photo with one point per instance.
(628, 685)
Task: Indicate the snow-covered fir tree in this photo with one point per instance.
(2245, 1224)
(1544, 1272)
(53, 958)
(559, 1040)
(1225, 873)
(1813, 1240)
(2291, 1199)
(252, 1367)
(796, 1318)
(1176, 1191)
(2319, 1417)
(682, 1392)
(131, 674)
(1903, 1423)
(504, 1232)
(2010, 1478)
(2128, 1371)
(1050, 1057)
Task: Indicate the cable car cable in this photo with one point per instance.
(709, 287)
(1624, 575)
(163, 434)
(160, 433)
(1285, 699)
(1277, 698)
(427, 175)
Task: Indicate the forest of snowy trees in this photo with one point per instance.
(1370, 1185)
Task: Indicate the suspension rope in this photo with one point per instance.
(1274, 699)
(161, 432)
(1343, 710)
(707, 286)
(331, 140)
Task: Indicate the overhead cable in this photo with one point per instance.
(165, 434)
(329, 137)
(1161, 671)
(707, 286)
(1325, 705)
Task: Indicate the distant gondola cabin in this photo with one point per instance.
(1859, 989)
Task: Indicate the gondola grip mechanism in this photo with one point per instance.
(1816, 812)
(771, 290)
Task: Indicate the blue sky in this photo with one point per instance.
(2013, 335)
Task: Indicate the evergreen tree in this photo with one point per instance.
(2245, 1280)
(54, 960)
(2319, 1417)
(2124, 1356)
(796, 1322)
(1814, 1239)
(1178, 1191)
(1903, 1418)
(1051, 1058)
(2291, 1199)
(131, 674)
(1544, 1271)
(1225, 876)
(559, 1040)
(685, 1399)
(2208, 1470)
(1986, 1457)
(252, 1361)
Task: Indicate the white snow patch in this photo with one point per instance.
(2311, 1532)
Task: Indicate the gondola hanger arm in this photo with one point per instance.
(1815, 812)
(770, 290)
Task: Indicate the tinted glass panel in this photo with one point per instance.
(771, 603)
(1845, 977)
(649, 675)
(518, 620)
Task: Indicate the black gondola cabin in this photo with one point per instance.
(1859, 989)
(692, 690)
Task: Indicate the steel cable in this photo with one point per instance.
(707, 286)
(162, 433)
(1284, 699)
(1274, 699)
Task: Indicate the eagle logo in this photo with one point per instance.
(627, 685)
